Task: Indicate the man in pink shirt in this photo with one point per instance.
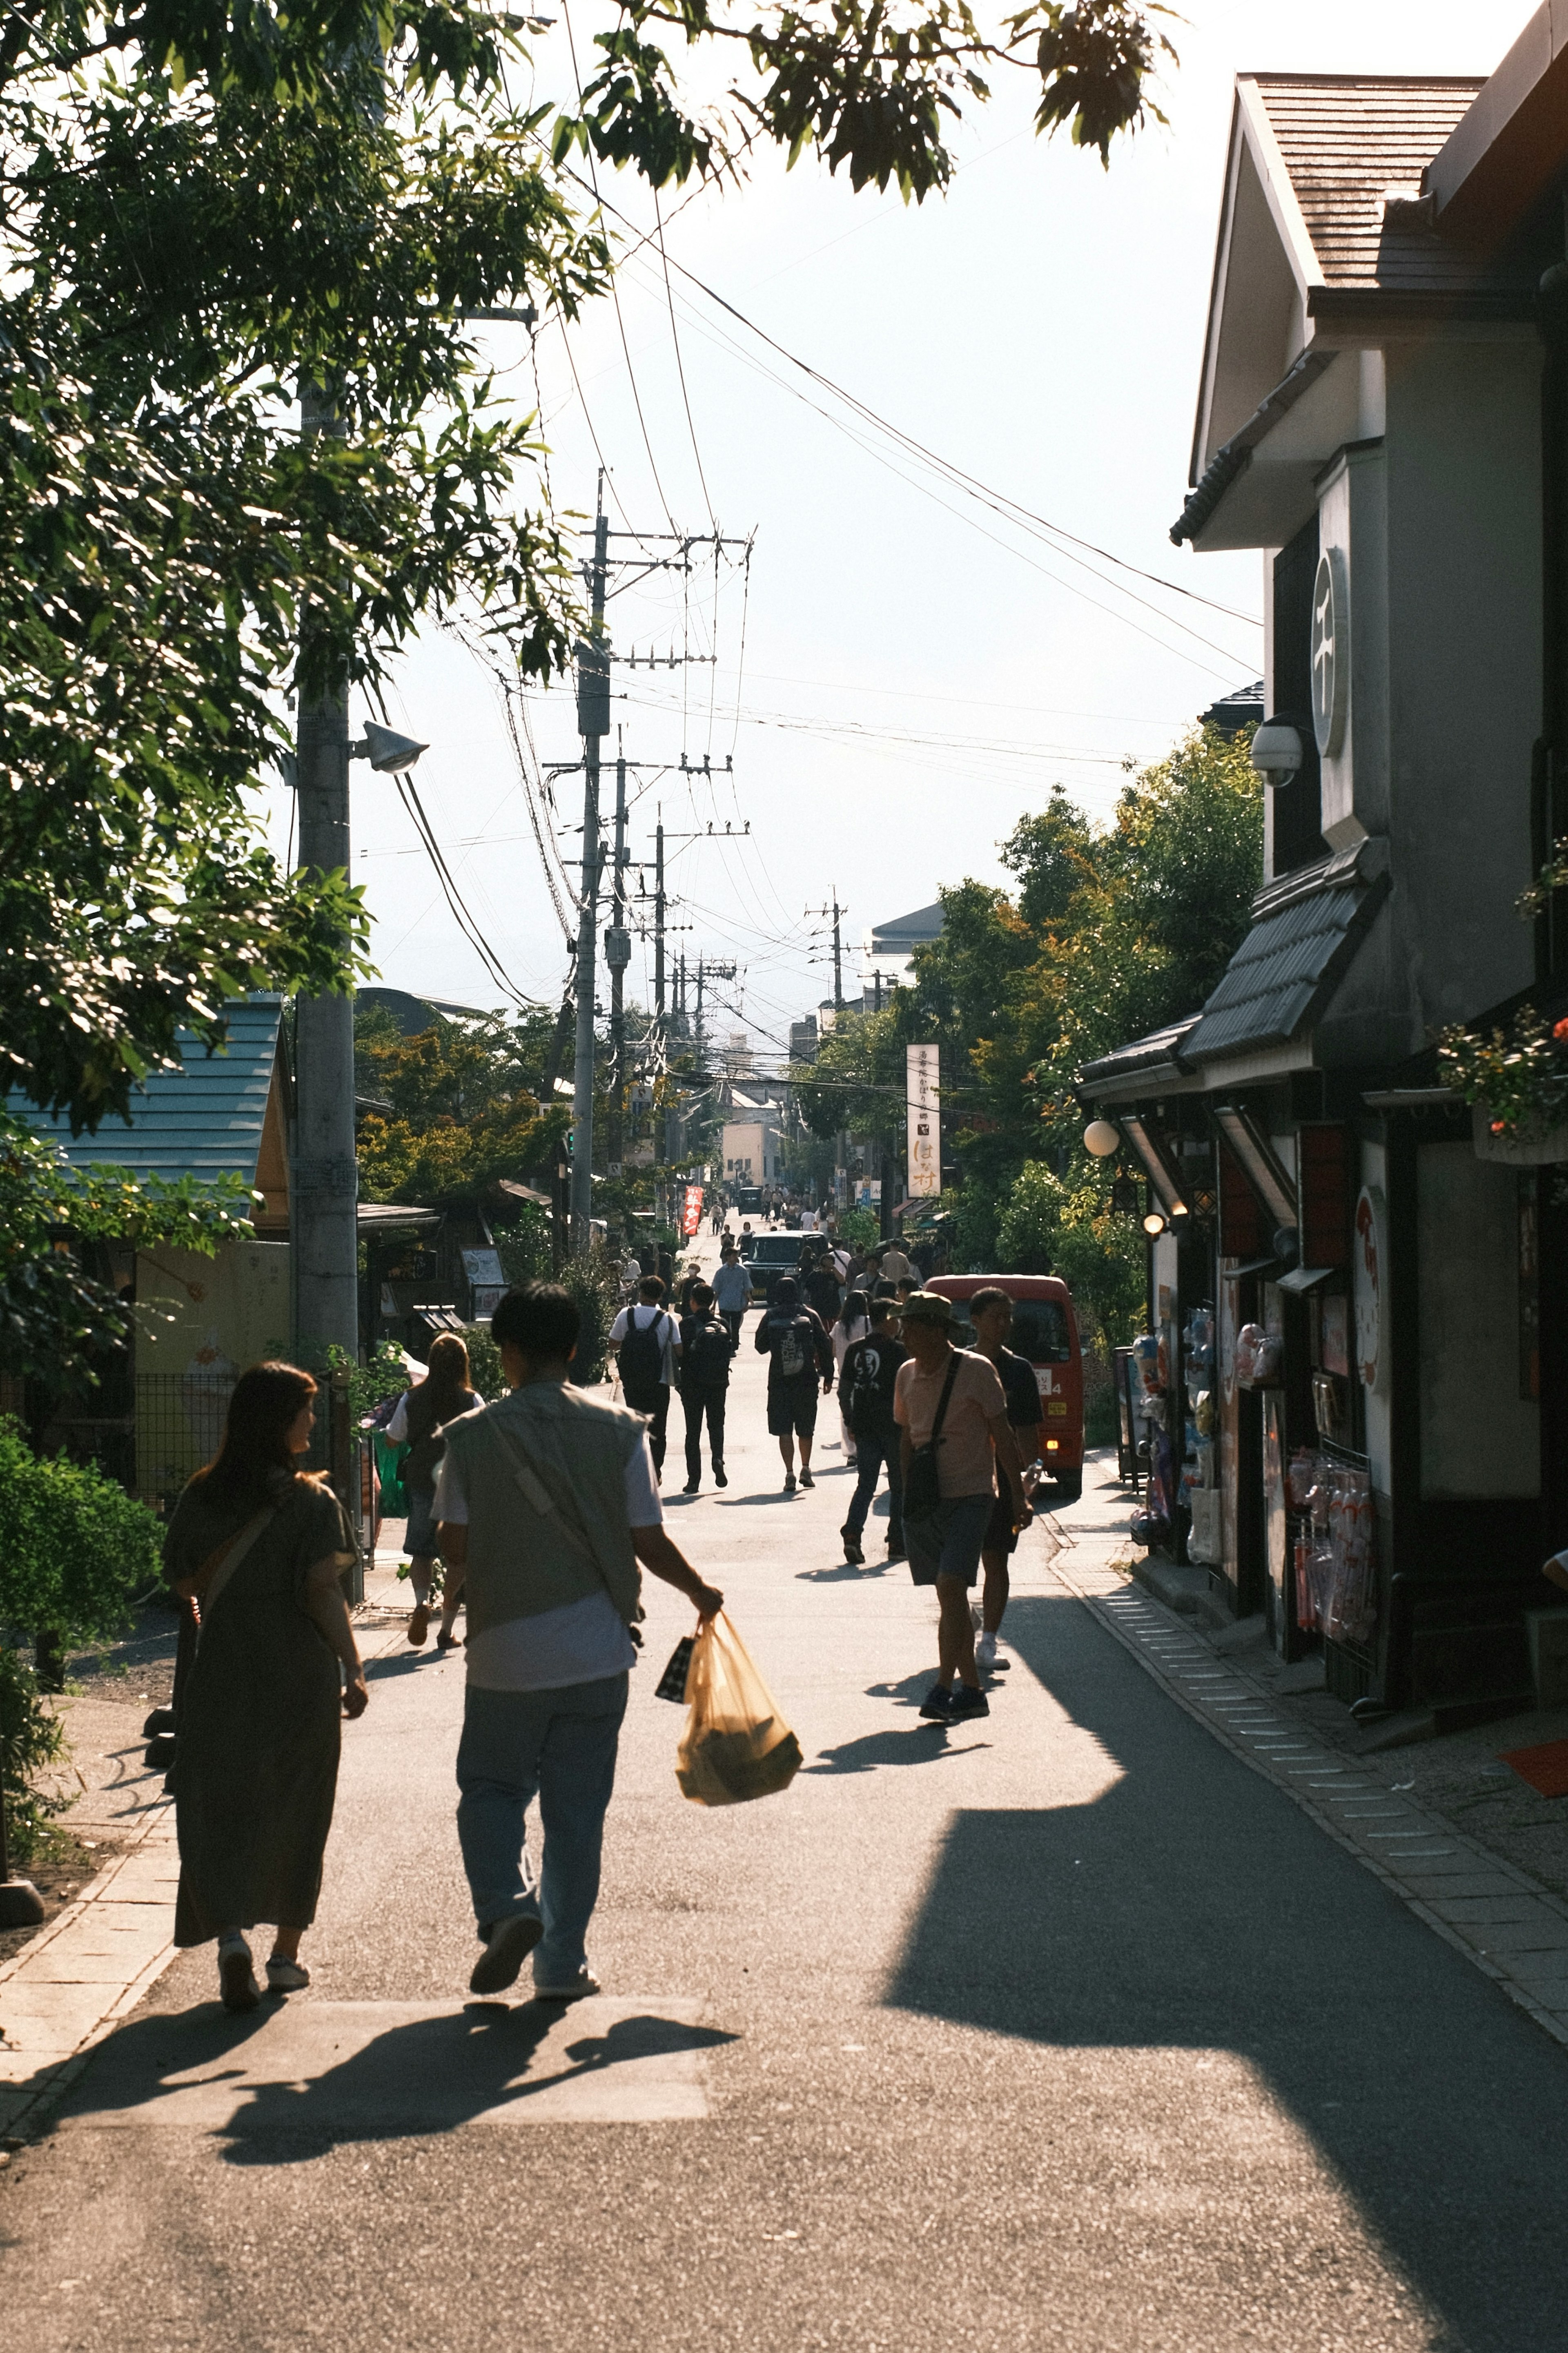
(952, 1412)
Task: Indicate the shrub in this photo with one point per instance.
(30, 1738)
(78, 1549)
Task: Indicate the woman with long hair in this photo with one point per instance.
(440, 1396)
(256, 1546)
(852, 1323)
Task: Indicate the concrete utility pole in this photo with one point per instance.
(838, 914)
(324, 1188)
(593, 724)
(617, 956)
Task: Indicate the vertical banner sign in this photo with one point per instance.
(691, 1212)
(921, 1083)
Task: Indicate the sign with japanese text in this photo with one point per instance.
(692, 1210)
(921, 1085)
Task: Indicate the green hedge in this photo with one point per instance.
(78, 1550)
(30, 1738)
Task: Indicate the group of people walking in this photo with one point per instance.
(542, 1509)
(545, 1510)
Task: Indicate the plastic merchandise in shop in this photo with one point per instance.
(1258, 1355)
(1200, 1483)
(1148, 1385)
(1335, 1549)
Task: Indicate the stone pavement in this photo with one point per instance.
(1066, 2029)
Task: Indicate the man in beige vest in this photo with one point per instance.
(546, 1502)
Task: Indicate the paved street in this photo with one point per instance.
(1066, 2028)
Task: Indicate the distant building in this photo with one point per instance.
(1241, 708)
(887, 950)
(415, 1014)
(803, 1040)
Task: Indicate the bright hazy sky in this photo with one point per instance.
(915, 678)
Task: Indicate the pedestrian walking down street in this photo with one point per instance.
(731, 1291)
(895, 1266)
(546, 1503)
(866, 1386)
(952, 1412)
(824, 1289)
(852, 1323)
(441, 1396)
(791, 1335)
(689, 1283)
(991, 1312)
(706, 1349)
(645, 1341)
(259, 1547)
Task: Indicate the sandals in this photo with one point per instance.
(418, 1623)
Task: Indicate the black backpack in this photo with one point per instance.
(794, 1350)
(705, 1355)
(642, 1351)
(867, 1407)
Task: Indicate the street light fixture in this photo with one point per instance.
(387, 752)
(1100, 1138)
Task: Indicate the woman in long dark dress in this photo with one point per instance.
(259, 1547)
(441, 1396)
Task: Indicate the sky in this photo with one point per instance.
(895, 674)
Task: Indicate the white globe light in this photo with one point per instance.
(1100, 1138)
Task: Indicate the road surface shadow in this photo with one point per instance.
(920, 1744)
(1192, 1906)
(422, 2075)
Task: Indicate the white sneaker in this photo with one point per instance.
(985, 1654)
(286, 1975)
(582, 1984)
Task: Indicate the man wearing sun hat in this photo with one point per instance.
(953, 1397)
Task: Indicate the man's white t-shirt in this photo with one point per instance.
(577, 1644)
(641, 1314)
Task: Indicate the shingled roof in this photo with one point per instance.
(1346, 141)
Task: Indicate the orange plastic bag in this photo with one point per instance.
(736, 1746)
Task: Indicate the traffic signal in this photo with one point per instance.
(571, 1141)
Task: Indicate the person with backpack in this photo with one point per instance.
(991, 1312)
(852, 1323)
(440, 1396)
(706, 1349)
(823, 1291)
(792, 1336)
(952, 1412)
(646, 1344)
(866, 1385)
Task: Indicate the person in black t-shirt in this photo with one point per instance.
(866, 1395)
(991, 1312)
(792, 1336)
(705, 1348)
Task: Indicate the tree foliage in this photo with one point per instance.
(78, 1549)
(464, 1106)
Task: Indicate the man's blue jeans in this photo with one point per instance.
(870, 1453)
(559, 1746)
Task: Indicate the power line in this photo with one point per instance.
(411, 801)
(996, 498)
(680, 371)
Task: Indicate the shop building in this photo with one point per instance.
(1382, 412)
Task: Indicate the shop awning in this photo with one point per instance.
(1302, 1279)
(1305, 929)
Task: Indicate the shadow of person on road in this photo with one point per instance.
(920, 1744)
(422, 2075)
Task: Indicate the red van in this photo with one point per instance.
(1044, 1329)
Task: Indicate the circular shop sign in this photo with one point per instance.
(1330, 652)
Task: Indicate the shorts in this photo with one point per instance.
(420, 1536)
(948, 1544)
(792, 1408)
(1001, 1535)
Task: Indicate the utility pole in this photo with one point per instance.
(324, 1188)
(617, 956)
(593, 724)
(838, 914)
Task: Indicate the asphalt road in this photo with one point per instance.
(1064, 2029)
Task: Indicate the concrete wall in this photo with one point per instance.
(1479, 1436)
(1463, 489)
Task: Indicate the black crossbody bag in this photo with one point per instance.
(922, 1482)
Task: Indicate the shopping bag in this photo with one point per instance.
(736, 1744)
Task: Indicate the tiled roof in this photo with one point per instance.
(202, 1120)
(1161, 1050)
(1305, 929)
(1347, 139)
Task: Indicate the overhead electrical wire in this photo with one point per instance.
(680, 372)
(409, 794)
